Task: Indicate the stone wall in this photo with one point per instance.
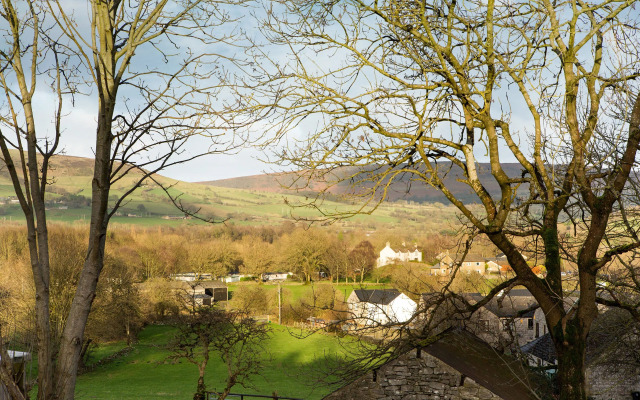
(413, 376)
(612, 381)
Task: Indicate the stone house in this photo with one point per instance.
(612, 356)
(380, 306)
(507, 321)
(512, 315)
(390, 256)
(472, 263)
(455, 366)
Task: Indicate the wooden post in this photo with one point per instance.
(279, 304)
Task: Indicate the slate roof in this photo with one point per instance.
(604, 339)
(542, 348)
(503, 375)
(509, 305)
(377, 296)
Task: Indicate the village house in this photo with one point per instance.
(380, 306)
(510, 319)
(612, 356)
(507, 321)
(472, 263)
(390, 256)
(457, 365)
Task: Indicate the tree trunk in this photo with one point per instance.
(71, 344)
(6, 374)
(571, 361)
(201, 389)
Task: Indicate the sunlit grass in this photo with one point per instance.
(145, 373)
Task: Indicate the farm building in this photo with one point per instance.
(203, 292)
(453, 366)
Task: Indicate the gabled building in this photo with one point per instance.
(456, 365)
(372, 307)
(472, 263)
(513, 315)
(612, 356)
(390, 256)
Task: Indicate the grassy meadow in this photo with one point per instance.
(146, 373)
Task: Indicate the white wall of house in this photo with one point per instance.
(389, 256)
(401, 309)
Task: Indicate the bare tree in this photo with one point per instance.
(153, 93)
(362, 258)
(239, 341)
(418, 92)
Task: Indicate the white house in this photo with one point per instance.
(389, 256)
(380, 306)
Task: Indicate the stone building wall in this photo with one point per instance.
(410, 377)
(612, 381)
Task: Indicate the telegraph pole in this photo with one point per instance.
(279, 304)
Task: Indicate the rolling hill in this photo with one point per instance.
(404, 186)
(263, 202)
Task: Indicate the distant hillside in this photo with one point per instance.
(404, 187)
(261, 201)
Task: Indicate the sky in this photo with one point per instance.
(79, 115)
(79, 124)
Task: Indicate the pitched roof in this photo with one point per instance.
(377, 296)
(605, 339)
(542, 348)
(469, 355)
(510, 305)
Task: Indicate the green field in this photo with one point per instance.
(145, 373)
(149, 205)
(298, 291)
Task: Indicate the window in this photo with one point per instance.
(530, 323)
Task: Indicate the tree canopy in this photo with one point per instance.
(428, 89)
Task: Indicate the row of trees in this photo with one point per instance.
(153, 253)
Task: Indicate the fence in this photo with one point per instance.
(242, 396)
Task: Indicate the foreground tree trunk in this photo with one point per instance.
(95, 57)
(571, 368)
